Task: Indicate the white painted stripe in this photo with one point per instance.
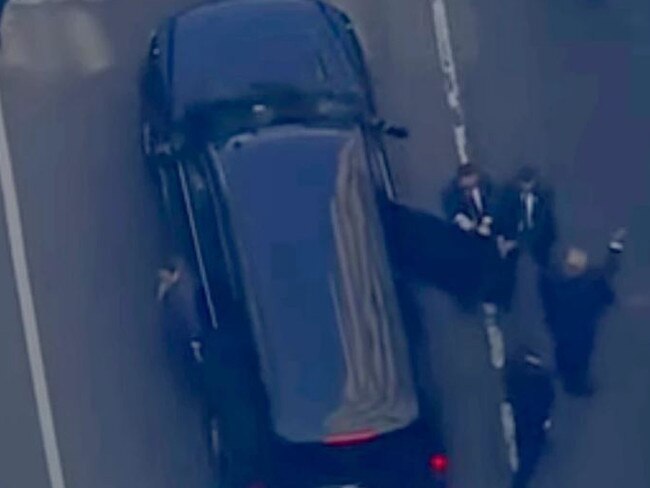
(509, 435)
(28, 312)
(448, 67)
(452, 90)
(497, 347)
(460, 137)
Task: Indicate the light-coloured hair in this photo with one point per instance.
(575, 260)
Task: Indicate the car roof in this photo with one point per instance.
(327, 324)
(224, 50)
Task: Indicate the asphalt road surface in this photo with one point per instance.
(93, 241)
(562, 84)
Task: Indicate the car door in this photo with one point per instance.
(211, 240)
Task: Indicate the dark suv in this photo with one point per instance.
(259, 124)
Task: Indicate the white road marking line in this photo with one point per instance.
(509, 433)
(452, 91)
(28, 312)
(497, 348)
(448, 67)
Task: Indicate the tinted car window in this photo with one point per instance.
(235, 49)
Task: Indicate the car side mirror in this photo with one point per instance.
(396, 131)
(154, 48)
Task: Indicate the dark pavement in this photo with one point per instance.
(560, 83)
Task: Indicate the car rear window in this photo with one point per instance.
(328, 326)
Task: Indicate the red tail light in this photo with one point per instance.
(351, 438)
(439, 463)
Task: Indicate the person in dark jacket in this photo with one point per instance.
(184, 326)
(531, 395)
(178, 291)
(525, 223)
(575, 296)
(467, 201)
(526, 215)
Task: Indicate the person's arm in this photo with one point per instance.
(486, 222)
(454, 211)
(615, 250)
(506, 221)
(551, 222)
(549, 404)
(549, 395)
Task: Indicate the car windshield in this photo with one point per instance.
(222, 52)
(270, 105)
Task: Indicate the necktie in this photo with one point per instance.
(476, 200)
(528, 204)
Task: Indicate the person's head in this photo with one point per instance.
(527, 178)
(174, 266)
(468, 176)
(575, 262)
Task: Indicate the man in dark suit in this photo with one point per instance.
(467, 201)
(525, 222)
(575, 296)
(531, 394)
(468, 205)
(526, 215)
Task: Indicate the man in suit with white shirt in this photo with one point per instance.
(526, 216)
(467, 201)
(468, 204)
(525, 222)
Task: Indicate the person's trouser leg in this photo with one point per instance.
(506, 281)
(565, 364)
(572, 359)
(498, 280)
(530, 450)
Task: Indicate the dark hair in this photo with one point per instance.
(174, 263)
(468, 169)
(527, 174)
